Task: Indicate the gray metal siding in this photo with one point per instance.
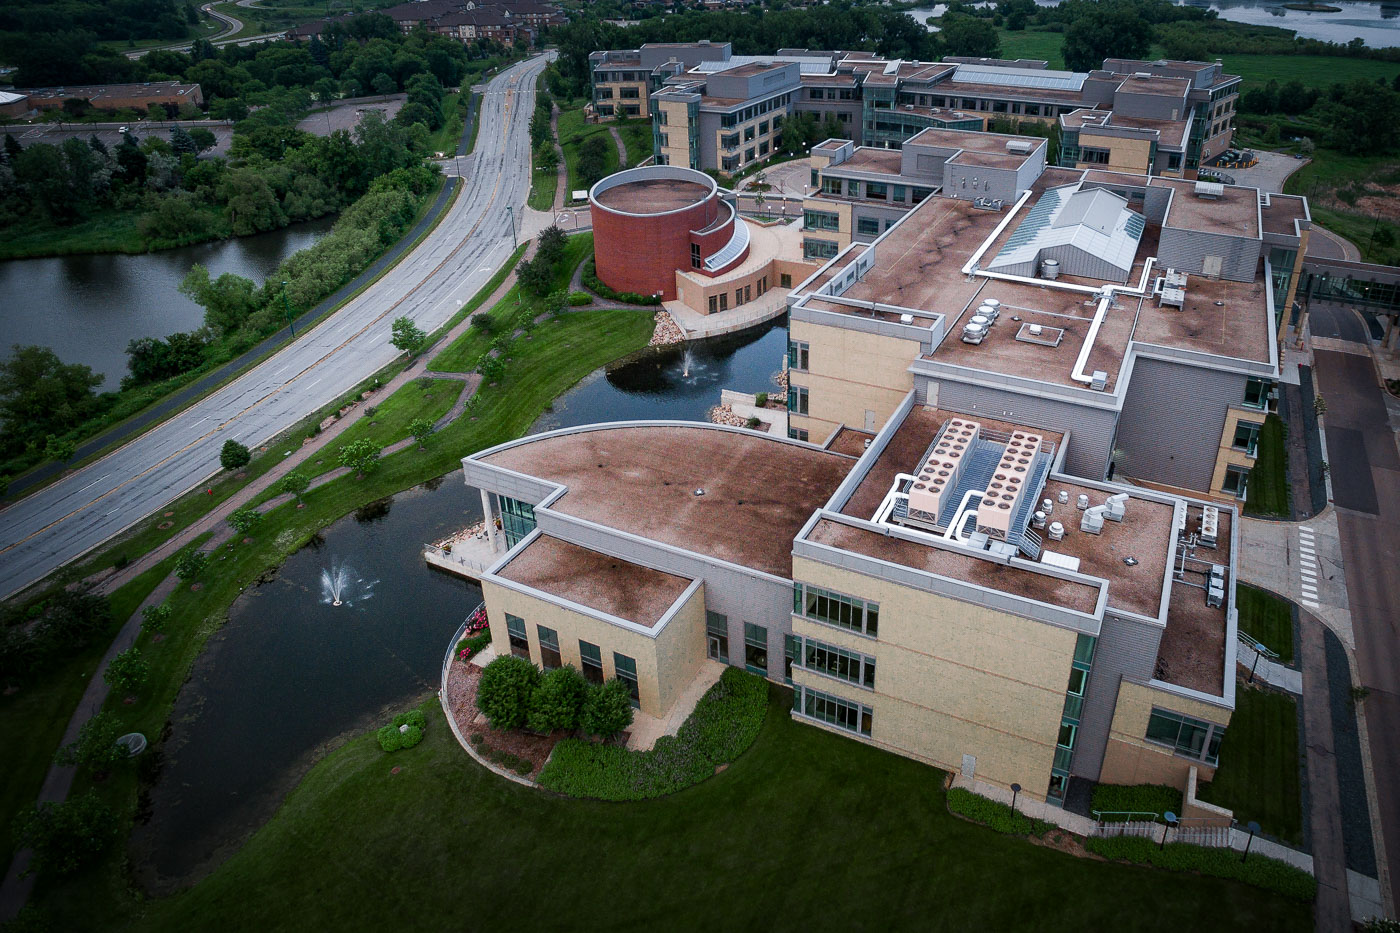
(1076, 261)
(1091, 429)
(1186, 250)
(741, 597)
(981, 182)
(1173, 416)
(1125, 648)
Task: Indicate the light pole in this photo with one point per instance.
(1171, 821)
(287, 309)
(513, 242)
(1015, 789)
(1258, 653)
(1253, 828)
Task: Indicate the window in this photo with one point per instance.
(797, 434)
(695, 256)
(834, 661)
(748, 293)
(790, 652)
(517, 520)
(729, 141)
(847, 612)
(868, 226)
(592, 658)
(730, 163)
(1256, 393)
(1246, 437)
(834, 711)
(724, 301)
(738, 297)
(1186, 736)
(714, 304)
(763, 148)
(605, 93)
(818, 249)
(515, 629)
(814, 181)
(831, 186)
(627, 673)
(898, 194)
(756, 648)
(798, 353)
(797, 400)
(717, 636)
(1173, 161)
(918, 194)
(763, 128)
(784, 280)
(1236, 482)
(1093, 156)
(820, 220)
(876, 191)
(629, 93)
(549, 647)
(748, 155)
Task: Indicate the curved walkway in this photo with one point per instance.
(1324, 244)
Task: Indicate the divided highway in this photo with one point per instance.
(63, 521)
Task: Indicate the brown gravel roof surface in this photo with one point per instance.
(609, 584)
(653, 197)
(1192, 652)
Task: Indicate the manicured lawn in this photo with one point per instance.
(1038, 44)
(1260, 761)
(572, 132)
(543, 185)
(1267, 618)
(392, 416)
(1269, 491)
(446, 137)
(636, 138)
(805, 831)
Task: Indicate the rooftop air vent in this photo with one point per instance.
(1020, 146)
(1210, 526)
(1099, 381)
(906, 319)
(1212, 190)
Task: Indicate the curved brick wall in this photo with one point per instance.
(638, 252)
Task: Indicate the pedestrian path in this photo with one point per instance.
(1307, 566)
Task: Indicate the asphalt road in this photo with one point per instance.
(1366, 482)
(66, 519)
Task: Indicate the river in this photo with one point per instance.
(1377, 24)
(290, 674)
(87, 308)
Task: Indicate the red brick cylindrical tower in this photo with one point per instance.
(649, 222)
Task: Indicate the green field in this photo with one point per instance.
(392, 416)
(1267, 618)
(1333, 178)
(1260, 761)
(805, 831)
(572, 132)
(1269, 491)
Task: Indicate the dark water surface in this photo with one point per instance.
(290, 674)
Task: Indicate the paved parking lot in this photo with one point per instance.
(54, 134)
(345, 114)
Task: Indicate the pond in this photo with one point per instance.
(291, 674)
(87, 308)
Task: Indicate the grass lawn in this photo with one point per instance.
(1269, 491)
(572, 132)
(1333, 180)
(1312, 70)
(636, 138)
(543, 185)
(391, 417)
(1267, 618)
(1258, 777)
(445, 844)
(1038, 44)
(446, 137)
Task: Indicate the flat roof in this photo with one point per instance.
(608, 584)
(910, 441)
(748, 69)
(958, 565)
(1282, 211)
(1158, 85)
(641, 479)
(653, 196)
(850, 441)
(1234, 213)
(971, 140)
(871, 159)
(1192, 651)
(990, 159)
(1237, 327)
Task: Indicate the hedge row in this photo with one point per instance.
(998, 816)
(1118, 800)
(595, 285)
(724, 724)
(1260, 871)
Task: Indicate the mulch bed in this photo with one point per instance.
(462, 682)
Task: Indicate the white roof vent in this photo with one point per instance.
(1021, 146)
(906, 319)
(1210, 189)
(1099, 381)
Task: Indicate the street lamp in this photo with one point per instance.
(1171, 822)
(511, 211)
(1258, 653)
(1253, 828)
(287, 309)
(1015, 789)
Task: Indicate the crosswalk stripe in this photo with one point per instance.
(1310, 604)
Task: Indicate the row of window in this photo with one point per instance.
(1193, 738)
(833, 93)
(590, 655)
(818, 249)
(847, 612)
(742, 295)
(832, 710)
(990, 106)
(728, 120)
(625, 93)
(1080, 666)
(835, 661)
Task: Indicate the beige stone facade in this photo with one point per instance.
(1133, 156)
(1230, 455)
(673, 118)
(1132, 759)
(853, 378)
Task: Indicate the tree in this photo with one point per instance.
(65, 836)
(505, 689)
(361, 456)
(547, 158)
(969, 35)
(155, 618)
(535, 275)
(127, 671)
(190, 564)
(1101, 31)
(607, 710)
(407, 336)
(41, 395)
(593, 159)
(234, 456)
(558, 700)
(227, 300)
(13, 146)
(96, 748)
(383, 84)
(295, 483)
(421, 429)
(181, 140)
(551, 244)
(59, 449)
(244, 521)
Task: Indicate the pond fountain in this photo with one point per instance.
(340, 584)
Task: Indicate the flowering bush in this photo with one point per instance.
(468, 647)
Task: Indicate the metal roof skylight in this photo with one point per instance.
(1020, 77)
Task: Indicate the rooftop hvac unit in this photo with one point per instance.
(1063, 561)
(1056, 532)
(1210, 189)
(1210, 526)
(1176, 279)
(981, 320)
(1092, 519)
(1050, 269)
(1099, 381)
(989, 309)
(908, 106)
(1215, 587)
(974, 333)
(1020, 146)
(1173, 297)
(1117, 506)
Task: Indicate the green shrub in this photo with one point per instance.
(1260, 871)
(504, 692)
(467, 648)
(595, 285)
(997, 816)
(155, 618)
(394, 736)
(127, 671)
(760, 399)
(578, 299)
(558, 701)
(190, 563)
(724, 724)
(1118, 800)
(607, 709)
